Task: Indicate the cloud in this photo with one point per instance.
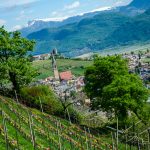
(95, 10)
(72, 6)
(52, 19)
(24, 15)
(17, 27)
(2, 22)
(21, 15)
(11, 5)
(61, 17)
(54, 13)
(101, 9)
(120, 2)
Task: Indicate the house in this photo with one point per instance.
(67, 75)
(36, 57)
(45, 56)
(41, 57)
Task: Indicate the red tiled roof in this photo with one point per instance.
(66, 75)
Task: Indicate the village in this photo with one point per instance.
(138, 63)
(65, 83)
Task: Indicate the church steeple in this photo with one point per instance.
(54, 65)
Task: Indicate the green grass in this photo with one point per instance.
(146, 60)
(77, 67)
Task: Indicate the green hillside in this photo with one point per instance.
(78, 38)
(137, 30)
(27, 127)
(106, 30)
(77, 67)
(140, 4)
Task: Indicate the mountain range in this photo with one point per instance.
(96, 31)
(39, 24)
(142, 4)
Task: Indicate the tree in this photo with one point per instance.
(68, 100)
(112, 89)
(15, 67)
(132, 53)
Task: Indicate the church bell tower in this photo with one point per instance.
(54, 65)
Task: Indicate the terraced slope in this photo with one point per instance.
(26, 129)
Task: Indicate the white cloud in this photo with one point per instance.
(22, 12)
(120, 2)
(8, 6)
(52, 19)
(21, 15)
(17, 27)
(59, 16)
(101, 9)
(2, 22)
(12, 3)
(95, 10)
(73, 5)
(55, 13)
(24, 15)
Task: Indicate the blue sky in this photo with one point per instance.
(15, 14)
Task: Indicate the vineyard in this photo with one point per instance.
(24, 128)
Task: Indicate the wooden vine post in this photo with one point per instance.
(5, 131)
(113, 147)
(90, 138)
(148, 138)
(117, 135)
(31, 130)
(87, 147)
(68, 116)
(45, 128)
(17, 136)
(59, 136)
(17, 108)
(126, 140)
(41, 105)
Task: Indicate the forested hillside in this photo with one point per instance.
(103, 31)
(134, 31)
(81, 37)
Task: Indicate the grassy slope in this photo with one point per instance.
(49, 130)
(76, 66)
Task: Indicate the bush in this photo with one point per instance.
(38, 96)
(75, 116)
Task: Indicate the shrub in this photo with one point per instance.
(75, 116)
(42, 95)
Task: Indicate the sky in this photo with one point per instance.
(15, 14)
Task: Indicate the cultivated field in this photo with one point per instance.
(77, 67)
(27, 129)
